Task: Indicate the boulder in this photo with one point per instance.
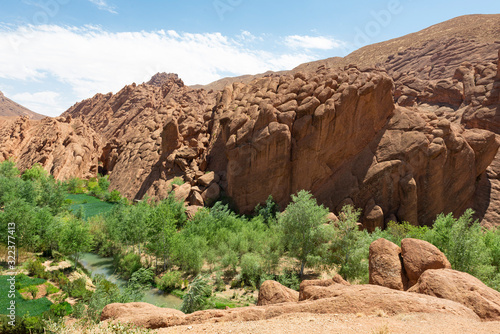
(332, 218)
(272, 292)
(419, 256)
(196, 199)
(182, 192)
(385, 265)
(207, 179)
(142, 315)
(192, 210)
(211, 194)
(461, 288)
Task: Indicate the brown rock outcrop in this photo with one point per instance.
(385, 265)
(337, 298)
(142, 315)
(272, 292)
(419, 256)
(65, 147)
(461, 288)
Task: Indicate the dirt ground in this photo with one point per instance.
(346, 324)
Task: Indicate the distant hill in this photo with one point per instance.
(482, 29)
(9, 108)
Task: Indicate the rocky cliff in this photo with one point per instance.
(406, 139)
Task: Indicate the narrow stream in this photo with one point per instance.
(104, 265)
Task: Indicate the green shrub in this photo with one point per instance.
(251, 268)
(35, 268)
(289, 279)
(170, 281)
(79, 310)
(61, 310)
(78, 289)
(178, 181)
(129, 264)
(51, 289)
(114, 196)
(33, 290)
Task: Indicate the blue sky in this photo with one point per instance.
(54, 53)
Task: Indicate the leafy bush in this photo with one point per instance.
(465, 244)
(289, 279)
(170, 281)
(35, 268)
(251, 268)
(51, 289)
(177, 181)
(61, 310)
(114, 196)
(33, 290)
(129, 264)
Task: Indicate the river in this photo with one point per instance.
(104, 265)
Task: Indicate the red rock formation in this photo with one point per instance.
(65, 147)
(337, 298)
(462, 288)
(419, 256)
(272, 292)
(385, 265)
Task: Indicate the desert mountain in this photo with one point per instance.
(404, 129)
(9, 108)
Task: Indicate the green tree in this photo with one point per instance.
(349, 246)
(8, 169)
(36, 172)
(75, 238)
(161, 229)
(301, 227)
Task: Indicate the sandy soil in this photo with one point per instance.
(345, 324)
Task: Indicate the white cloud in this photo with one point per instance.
(92, 60)
(45, 103)
(89, 60)
(310, 42)
(103, 5)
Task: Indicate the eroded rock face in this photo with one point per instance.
(153, 132)
(65, 147)
(385, 265)
(462, 288)
(272, 292)
(395, 140)
(419, 256)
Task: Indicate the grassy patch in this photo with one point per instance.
(92, 206)
(34, 307)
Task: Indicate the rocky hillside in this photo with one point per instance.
(405, 140)
(9, 108)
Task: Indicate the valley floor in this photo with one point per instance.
(346, 324)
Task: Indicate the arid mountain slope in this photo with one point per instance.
(9, 108)
(406, 140)
(482, 29)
